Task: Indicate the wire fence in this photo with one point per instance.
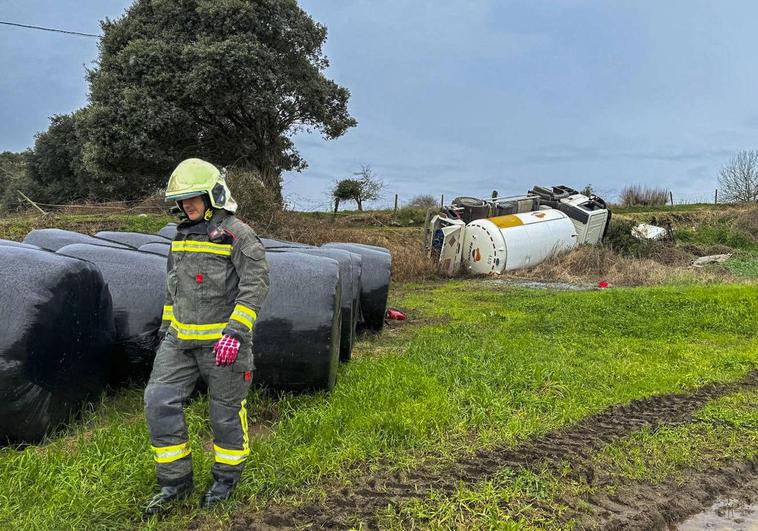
(396, 201)
(298, 203)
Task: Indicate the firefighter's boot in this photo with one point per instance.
(168, 494)
(219, 492)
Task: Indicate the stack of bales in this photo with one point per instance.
(83, 310)
(136, 281)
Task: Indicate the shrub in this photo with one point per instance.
(423, 202)
(747, 223)
(411, 216)
(642, 195)
(257, 203)
(619, 237)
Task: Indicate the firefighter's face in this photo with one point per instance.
(194, 207)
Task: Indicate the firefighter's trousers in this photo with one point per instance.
(175, 373)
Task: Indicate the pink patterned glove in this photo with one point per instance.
(226, 350)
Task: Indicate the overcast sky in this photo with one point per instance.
(463, 97)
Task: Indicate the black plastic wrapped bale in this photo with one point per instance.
(163, 249)
(11, 243)
(270, 243)
(350, 291)
(375, 282)
(372, 247)
(168, 231)
(54, 239)
(132, 239)
(57, 328)
(297, 334)
(137, 284)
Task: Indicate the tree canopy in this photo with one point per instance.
(229, 81)
(12, 171)
(367, 187)
(55, 168)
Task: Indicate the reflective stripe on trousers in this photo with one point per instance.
(169, 454)
(235, 457)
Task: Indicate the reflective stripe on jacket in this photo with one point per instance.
(215, 283)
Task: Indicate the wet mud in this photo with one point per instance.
(738, 514)
(670, 504)
(633, 506)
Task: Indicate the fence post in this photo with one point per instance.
(716, 197)
(32, 202)
(395, 203)
(671, 195)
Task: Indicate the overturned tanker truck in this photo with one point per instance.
(491, 236)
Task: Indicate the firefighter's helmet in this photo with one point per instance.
(194, 177)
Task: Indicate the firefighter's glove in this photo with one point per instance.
(226, 350)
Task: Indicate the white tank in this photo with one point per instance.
(515, 241)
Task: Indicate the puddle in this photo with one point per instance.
(730, 514)
(533, 284)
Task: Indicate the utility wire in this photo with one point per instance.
(49, 29)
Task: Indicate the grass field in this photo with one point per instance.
(721, 432)
(478, 365)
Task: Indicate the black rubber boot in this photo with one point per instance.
(169, 494)
(218, 493)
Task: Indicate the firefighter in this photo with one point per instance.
(217, 280)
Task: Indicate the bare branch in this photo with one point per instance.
(738, 179)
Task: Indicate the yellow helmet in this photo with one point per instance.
(194, 177)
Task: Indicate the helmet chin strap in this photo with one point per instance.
(208, 208)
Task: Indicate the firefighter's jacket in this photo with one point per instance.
(217, 281)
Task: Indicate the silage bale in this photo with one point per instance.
(168, 231)
(373, 247)
(162, 249)
(11, 243)
(57, 327)
(137, 284)
(54, 239)
(375, 282)
(132, 239)
(297, 334)
(271, 243)
(350, 292)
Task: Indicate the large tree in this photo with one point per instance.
(738, 179)
(55, 166)
(226, 80)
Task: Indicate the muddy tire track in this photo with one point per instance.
(349, 506)
(641, 506)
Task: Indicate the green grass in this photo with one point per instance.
(17, 227)
(484, 366)
(720, 232)
(743, 265)
(510, 500)
(724, 430)
(662, 209)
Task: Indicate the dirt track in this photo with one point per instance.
(635, 505)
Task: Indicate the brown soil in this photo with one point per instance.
(642, 506)
(645, 507)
